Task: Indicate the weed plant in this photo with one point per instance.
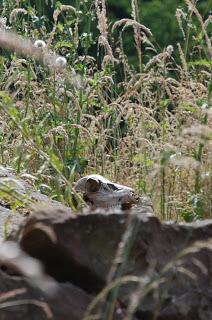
(146, 125)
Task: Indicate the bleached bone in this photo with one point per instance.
(101, 192)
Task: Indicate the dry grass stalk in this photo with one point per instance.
(180, 15)
(63, 8)
(157, 59)
(42, 305)
(103, 28)
(183, 61)
(133, 23)
(15, 12)
(56, 14)
(11, 294)
(192, 7)
(137, 31)
(104, 42)
(208, 21)
(102, 17)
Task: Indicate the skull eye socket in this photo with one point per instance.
(112, 186)
(93, 185)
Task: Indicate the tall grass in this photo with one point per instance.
(147, 126)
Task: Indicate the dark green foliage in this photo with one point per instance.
(157, 15)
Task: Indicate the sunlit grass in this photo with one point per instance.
(146, 126)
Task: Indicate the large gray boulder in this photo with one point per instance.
(69, 302)
(106, 262)
(15, 188)
(171, 263)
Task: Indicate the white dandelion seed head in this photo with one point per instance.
(173, 157)
(3, 23)
(60, 62)
(170, 49)
(204, 106)
(40, 44)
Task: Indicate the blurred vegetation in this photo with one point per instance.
(157, 15)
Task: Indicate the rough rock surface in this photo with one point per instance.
(68, 303)
(8, 219)
(86, 245)
(166, 269)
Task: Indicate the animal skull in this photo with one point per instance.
(101, 192)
